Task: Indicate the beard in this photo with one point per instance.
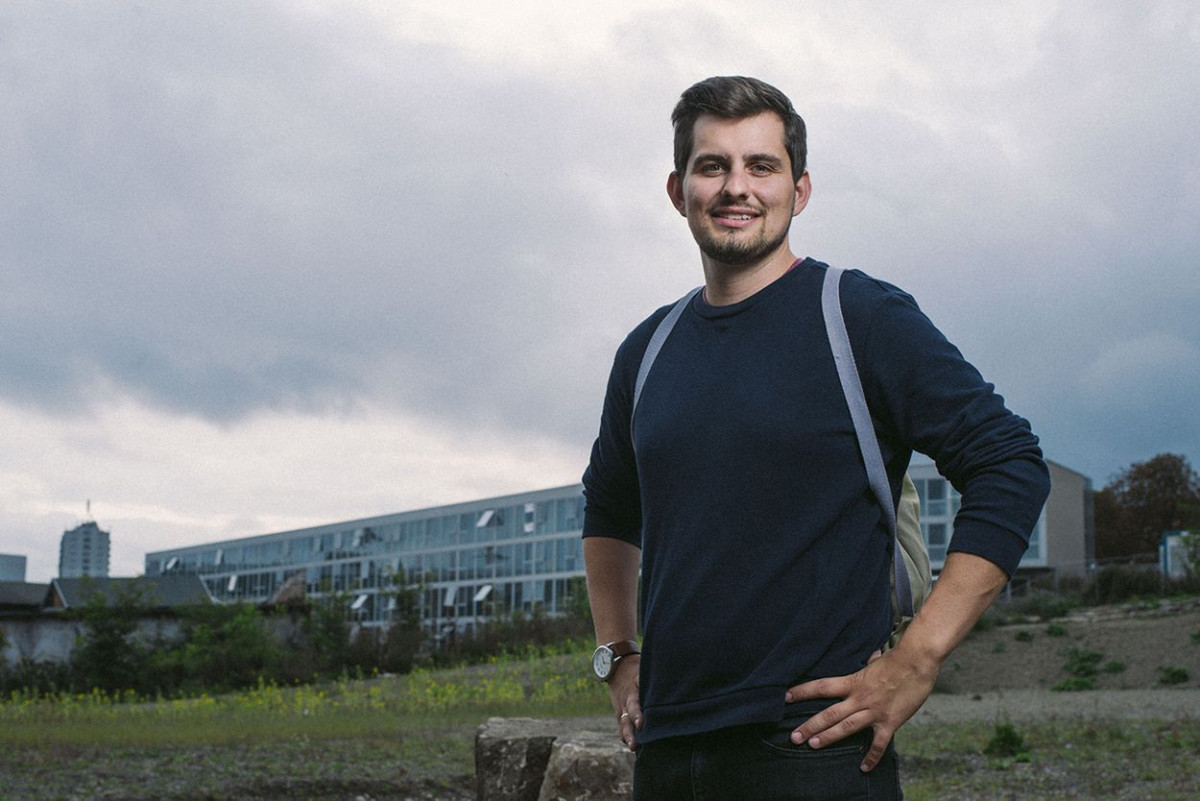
(727, 248)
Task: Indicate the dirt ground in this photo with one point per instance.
(1003, 673)
(1135, 644)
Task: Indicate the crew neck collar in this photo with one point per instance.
(706, 309)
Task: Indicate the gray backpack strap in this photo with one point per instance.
(868, 445)
(656, 342)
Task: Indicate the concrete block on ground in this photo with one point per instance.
(523, 759)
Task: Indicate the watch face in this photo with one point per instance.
(602, 661)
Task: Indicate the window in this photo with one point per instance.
(544, 557)
(568, 553)
(935, 503)
(935, 537)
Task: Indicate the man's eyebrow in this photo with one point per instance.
(752, 158)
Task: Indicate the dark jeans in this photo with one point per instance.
(759, 763)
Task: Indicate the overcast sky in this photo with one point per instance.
(268, 265)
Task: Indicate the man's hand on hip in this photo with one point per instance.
(883, 695)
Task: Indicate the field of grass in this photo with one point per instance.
(1052, 760)
(382, 737)
(412, 737)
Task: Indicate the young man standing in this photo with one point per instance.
(739, 491)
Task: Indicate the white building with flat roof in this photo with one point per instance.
(1063, 542)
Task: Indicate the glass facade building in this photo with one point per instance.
(469, 560)
(494, 556)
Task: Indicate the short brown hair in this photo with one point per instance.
(735, 98)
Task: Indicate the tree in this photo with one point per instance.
(107, 655)
(405, 635)
(1142, 502)
(229, 647)
(328, 633)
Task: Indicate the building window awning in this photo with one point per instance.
(359, 603)
(483, 593)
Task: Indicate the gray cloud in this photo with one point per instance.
(226, 211)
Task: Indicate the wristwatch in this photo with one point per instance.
(606, 657)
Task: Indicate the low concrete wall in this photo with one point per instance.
(43, 638)
(50, 637)
(523, 759)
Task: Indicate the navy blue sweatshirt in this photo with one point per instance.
(765, 557)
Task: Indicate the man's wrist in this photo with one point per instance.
(609, 656)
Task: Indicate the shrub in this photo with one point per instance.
(1074, 684)
(1114, 666)
(1006, 743)
(1043, 605)
(1023, 636)
(1118, 583)
(1056, 630)
(35, 679)
(107, 655)
(228, 647)
(1172, 674)
(1083, 664)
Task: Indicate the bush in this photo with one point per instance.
(107, 655)
(35, 679)
(1043, 605)
(1006, 743)
(524, 632)
(1118, 583)
(1074, 684)
(228, 648)
(1023, 636)
(1056, 630)
(1171, 674)
(1083, 664)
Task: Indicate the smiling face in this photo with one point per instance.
(738, 193)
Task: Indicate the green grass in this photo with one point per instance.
(413, 736)
(1052, 760)
(377, 707)
(384, 737)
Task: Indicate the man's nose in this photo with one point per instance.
(736, 184)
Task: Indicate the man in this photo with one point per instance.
(739, 490)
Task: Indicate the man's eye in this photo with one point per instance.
(762, 169)
(711, 168)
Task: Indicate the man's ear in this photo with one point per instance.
(803, 193)
(675, 192)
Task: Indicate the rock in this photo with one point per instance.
(523, 759)
(588, 767)
(510, 758)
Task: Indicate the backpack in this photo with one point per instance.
(911, 577)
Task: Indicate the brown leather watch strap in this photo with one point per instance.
(624, 648)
